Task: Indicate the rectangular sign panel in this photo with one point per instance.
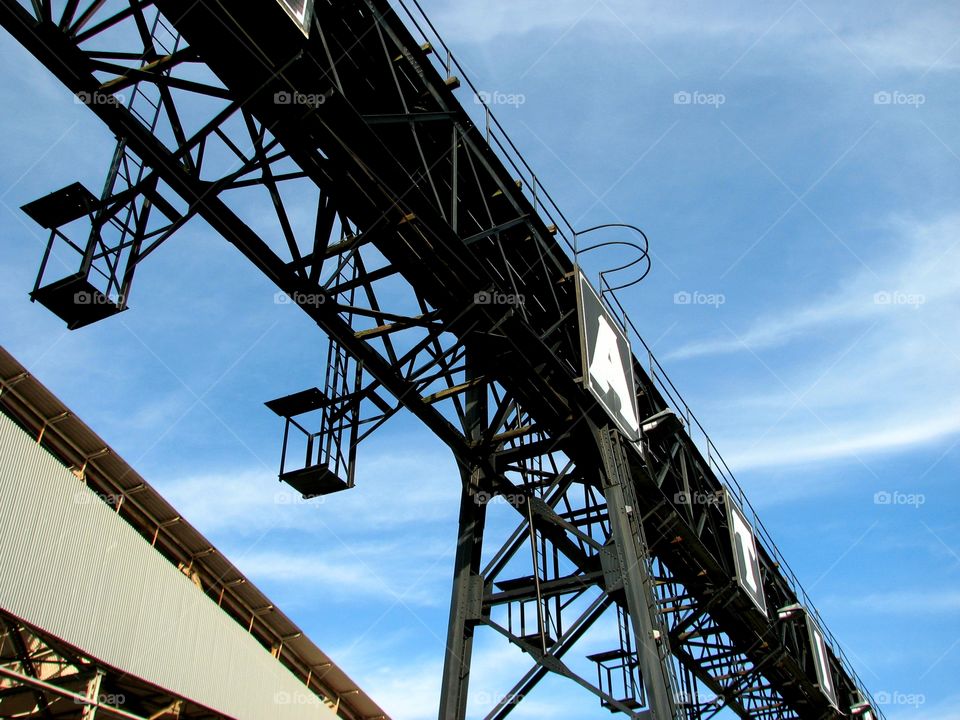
(821, 661)
(301, 11)
(607, 360)
(747, 560)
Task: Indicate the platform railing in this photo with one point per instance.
(699, 436)
(543, 203)
(484, 118)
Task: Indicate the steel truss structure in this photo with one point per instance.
(431, 259)
(41, 677)
(63, 435)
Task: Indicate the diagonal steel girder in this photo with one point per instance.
(55, 50)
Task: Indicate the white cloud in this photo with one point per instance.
(484, 22)
(394, 489)
(386, 572)
(410, 690)
(910, 603)
(915, 275)
(921, 40)
(389, 538)
(918, 37)
(407, 691)
(870, 367)
(916, 706)
(811, 441)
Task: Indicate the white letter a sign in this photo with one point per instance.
(608, 374)
(607, 361)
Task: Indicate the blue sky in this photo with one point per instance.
(804, 199)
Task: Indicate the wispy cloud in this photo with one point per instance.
(394, 490)
(868, 367)
(353, 544)
(410, 690)
(915, 275)
(915, 38)
(909, 602)
(385, 572)
(946, 708)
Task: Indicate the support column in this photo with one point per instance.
(466, 603)
(632, 558)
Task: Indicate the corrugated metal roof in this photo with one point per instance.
(42, 414)
(83, 575)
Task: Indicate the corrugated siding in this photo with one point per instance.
(71, 566)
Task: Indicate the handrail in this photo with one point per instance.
(643, 250)
(498, 138)
(716, 461)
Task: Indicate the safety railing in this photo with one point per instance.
(543, 203)
(699, 436)
(484, 118)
